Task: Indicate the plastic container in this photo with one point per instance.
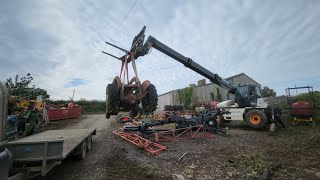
(302, 109)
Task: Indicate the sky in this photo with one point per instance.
(277, 43)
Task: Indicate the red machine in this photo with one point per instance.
(302, 109)
(70, 112)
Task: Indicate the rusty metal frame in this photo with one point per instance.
(140, 142)
(191, 132)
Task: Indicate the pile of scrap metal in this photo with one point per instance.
(186, 127)
(210, 122)
(164, 115)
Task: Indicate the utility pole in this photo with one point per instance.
(73, 94)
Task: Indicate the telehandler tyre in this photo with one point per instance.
(256, 118)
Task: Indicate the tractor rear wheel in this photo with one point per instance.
(150, 100)
(112, 100)
(256, 118)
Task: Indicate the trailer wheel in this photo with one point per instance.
(89, 143)
(150, 100)
(112, 100)
(256, 118)
(81, 151)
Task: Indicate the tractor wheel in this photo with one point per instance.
(256, 118)
(112, 100)
(212, 123)
(135, 113)
(150, 100)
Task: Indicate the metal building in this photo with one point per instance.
(202, 92)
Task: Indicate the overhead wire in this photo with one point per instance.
(128, 13)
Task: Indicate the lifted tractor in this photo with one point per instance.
(121, 96)
(247, 105)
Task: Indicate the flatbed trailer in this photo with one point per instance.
(37, 154)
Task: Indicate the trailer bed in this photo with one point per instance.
(46, 149)
(71, 138)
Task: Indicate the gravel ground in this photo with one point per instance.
(243, 153)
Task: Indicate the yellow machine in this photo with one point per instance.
(26, 102)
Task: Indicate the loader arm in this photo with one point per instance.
(141, 49)
(245, 95)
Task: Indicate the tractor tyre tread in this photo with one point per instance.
(112, 100)
(150, 100)
(263, 118)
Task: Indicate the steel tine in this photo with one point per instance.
(112, 55)
(126, 51)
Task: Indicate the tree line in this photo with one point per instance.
(20, 88)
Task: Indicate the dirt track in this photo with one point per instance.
(107, 158)
(239, 155)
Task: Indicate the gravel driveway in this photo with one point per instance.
(243, 153)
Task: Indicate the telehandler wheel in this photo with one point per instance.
(112, 100)
(256, 118)
(150, 100)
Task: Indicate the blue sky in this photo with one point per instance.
(75, 82)
(277, 43)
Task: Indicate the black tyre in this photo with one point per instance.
(112, 100)
(224, 121)
(168, 108)
(150, 100)
(178, 108)
(256, 118)
(89, 143)
(211, 122)
(135, 113)
(81, 151)
(173, 108)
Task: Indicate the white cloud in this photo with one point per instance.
(273, 42)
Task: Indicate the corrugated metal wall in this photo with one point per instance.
(202, 93)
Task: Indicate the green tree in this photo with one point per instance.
(219, 97)
(185, 96)
(20, 87)
(268, 92)
(212, 96)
